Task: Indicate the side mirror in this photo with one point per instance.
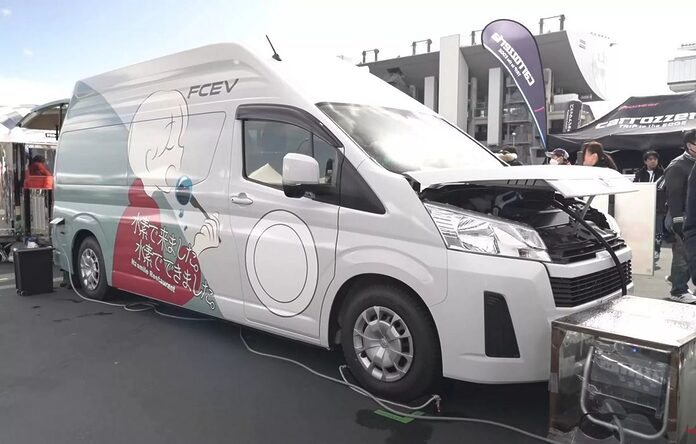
(300, 174)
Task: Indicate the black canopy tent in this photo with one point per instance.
(639, 124)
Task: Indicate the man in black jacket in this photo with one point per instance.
(651, 171)
(690, 220)
(676, 182)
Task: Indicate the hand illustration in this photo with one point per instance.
(208, 236)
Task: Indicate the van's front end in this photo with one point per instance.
(525, 255)
(522, 245)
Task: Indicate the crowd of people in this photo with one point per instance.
(675, 214)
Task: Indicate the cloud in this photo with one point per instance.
(15, 91)
(5, 12)
(28, 52)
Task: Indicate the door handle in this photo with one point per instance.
(241, 199)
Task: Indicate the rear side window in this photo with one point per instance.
(95, 156)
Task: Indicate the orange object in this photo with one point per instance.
(37, 182)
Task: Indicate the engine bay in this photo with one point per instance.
(565, 238)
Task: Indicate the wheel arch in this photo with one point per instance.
(366, 279)
(85, 226)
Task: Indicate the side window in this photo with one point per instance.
(267, 143)
(327, 159)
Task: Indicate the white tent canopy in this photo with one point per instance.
(10, 116)
(38, 126)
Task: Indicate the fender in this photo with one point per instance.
(430, 286)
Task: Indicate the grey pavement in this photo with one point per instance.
(74, 372)
(655, 286)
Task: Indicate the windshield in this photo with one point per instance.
(402, 141)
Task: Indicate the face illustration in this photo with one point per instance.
(155, 149)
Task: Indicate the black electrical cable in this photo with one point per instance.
(619, 267)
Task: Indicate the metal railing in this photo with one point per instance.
(364, 54)
(428, 42)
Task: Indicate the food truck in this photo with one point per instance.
(26, 198)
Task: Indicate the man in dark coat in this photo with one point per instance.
(652, 170)
(676, 182)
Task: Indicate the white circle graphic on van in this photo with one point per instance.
(282, 264)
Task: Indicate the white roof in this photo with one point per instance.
(315, 79)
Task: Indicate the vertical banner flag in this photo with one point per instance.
(571, 121)
(516, 49)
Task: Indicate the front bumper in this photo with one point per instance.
(526, 288)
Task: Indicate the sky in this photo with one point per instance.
(47, 46)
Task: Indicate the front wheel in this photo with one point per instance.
(389, 342)
(90, 269)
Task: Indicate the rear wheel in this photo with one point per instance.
(389, 342)
(90, 269)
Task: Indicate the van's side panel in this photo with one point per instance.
(91, 174)
(145, 169)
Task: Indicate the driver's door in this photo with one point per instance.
(287, 245)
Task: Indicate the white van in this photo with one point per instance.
(319, 203)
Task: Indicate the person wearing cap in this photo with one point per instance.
(652, 170)
(559, 156)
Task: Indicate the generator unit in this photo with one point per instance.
(624, 371)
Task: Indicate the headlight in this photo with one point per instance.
(469, 231)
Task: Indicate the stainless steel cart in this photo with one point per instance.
(625, 372)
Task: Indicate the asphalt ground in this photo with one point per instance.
(74, 371)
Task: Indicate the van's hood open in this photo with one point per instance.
(570, 181)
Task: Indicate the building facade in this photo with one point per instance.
(464, 83)
(681, 71)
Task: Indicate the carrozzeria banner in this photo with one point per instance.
(640, 123)
(515, 48)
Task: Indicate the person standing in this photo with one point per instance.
(37, 166)
(593, 155)
(676, 184)
(690, 212)
(652, 170)
(559, 156)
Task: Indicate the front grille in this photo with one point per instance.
(571, 292)
(569, 253)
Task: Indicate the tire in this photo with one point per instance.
(90, 260)
(401, 315)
